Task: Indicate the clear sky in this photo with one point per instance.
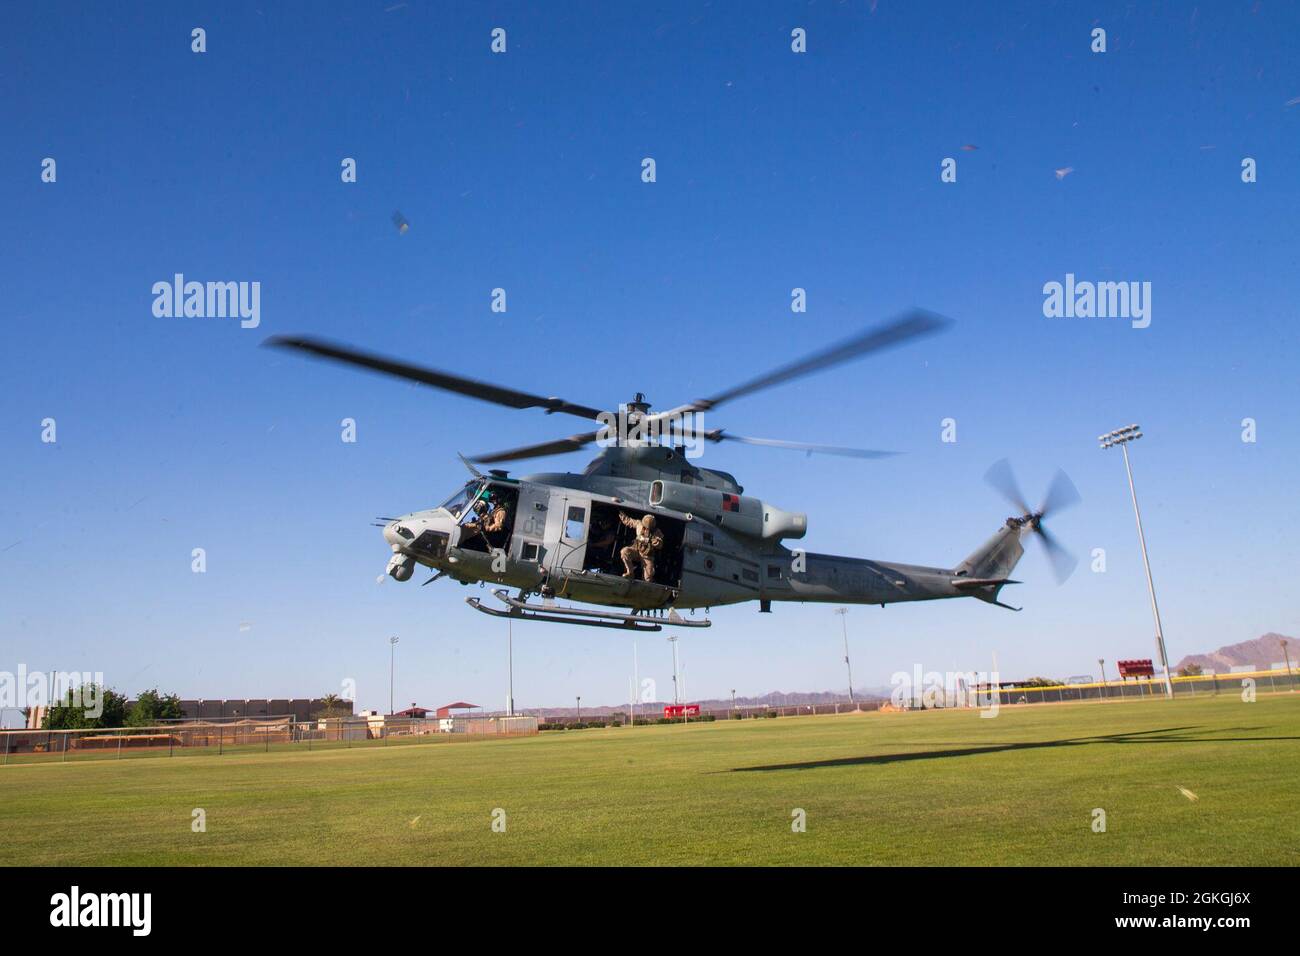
(522, 170)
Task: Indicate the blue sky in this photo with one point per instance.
(522, 171)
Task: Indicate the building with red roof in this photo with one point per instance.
(446, 709)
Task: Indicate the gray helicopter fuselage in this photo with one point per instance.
(584, 536)
(563, 539)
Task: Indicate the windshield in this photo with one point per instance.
(457, 502)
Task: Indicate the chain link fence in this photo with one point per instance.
(289, 734)
(1147, 688)
(253, 735)
(1275, 680)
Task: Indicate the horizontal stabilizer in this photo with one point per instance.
(968, 584)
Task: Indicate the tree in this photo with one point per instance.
(334, 706)
(72, 712)
(1191, 670)
(151, 708)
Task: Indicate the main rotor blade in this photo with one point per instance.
(447, 381)
(910, 325)
(800, 446)
(1001, 477)
(558, 447)
(1061, 494)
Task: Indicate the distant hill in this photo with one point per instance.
(1262, 652)
(774, 699)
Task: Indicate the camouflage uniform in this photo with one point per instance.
(649, 543)
(494, 521)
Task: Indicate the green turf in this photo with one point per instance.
(943, 787)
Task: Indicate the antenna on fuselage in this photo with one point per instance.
(472, 470)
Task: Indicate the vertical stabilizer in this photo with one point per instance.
(997, 557)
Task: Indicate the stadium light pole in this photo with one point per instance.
(1121, 437)
(579, 708)
(510, 668)
(392, 663)
(843, 612)
(673, 641)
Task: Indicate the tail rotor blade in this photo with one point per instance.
(1062, 561)
(1004, 481)
(1061, 494)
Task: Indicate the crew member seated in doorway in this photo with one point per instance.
(490, 517)
(649, 542)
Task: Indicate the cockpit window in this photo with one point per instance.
(456, 504)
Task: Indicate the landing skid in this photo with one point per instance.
(519, 609)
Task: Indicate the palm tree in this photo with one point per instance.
(334, 706)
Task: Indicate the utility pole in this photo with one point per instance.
(1121, 437)
(579, 708)
(843, 613)
(392, 663)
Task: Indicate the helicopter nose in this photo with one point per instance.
(410, 532)
(403, 531)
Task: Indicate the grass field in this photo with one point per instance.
(941, 787)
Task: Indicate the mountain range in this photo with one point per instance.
(1262, 652)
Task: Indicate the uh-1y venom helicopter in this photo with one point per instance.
(560, 536)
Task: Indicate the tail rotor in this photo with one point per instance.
(1061, 494)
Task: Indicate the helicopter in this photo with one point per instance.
(573, 537)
